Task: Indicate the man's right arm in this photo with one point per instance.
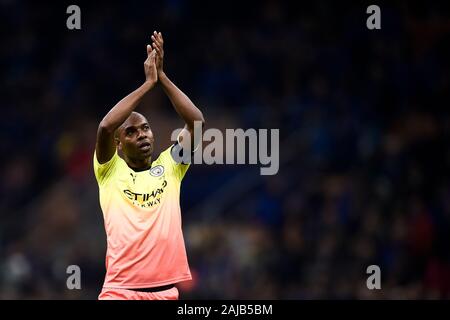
(105, 147)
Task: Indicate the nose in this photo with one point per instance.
(141, 134)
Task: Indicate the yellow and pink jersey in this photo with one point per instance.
(142, 215)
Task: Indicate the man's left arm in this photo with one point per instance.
(185, 108)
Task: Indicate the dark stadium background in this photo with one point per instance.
(364, 144)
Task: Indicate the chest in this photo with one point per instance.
(144, 189)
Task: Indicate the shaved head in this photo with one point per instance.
(134, 138)
(131, 118)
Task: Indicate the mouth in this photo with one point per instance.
(144, 146)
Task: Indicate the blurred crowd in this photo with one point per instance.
(364, 144)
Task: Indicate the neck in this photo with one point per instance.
(139, 164)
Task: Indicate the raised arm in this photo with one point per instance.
(105, 147)
(185, 108)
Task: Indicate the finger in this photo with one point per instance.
(154, 36)
(157, 47)
(149, 53)
(155, 39)
(158, 37)
(148, 59)
(158, 50)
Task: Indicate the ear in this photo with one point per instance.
(116, 138)
(117, 142)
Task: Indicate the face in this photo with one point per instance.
(135, 137)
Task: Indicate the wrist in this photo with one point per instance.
(162, 75)
(148, 84)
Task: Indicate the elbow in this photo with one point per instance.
(106, 127)
(198, 121)
(201, 119)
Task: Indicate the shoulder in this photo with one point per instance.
(104, 171)
(169, 161)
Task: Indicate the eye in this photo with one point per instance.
(146, 127)
(129, 133)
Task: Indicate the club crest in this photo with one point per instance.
(157, 171)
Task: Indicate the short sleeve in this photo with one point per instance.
(103, 171)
